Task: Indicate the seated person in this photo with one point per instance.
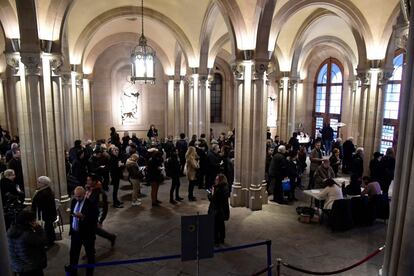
(371, 187)
(330, 193)
(322, 173)
(354, 187)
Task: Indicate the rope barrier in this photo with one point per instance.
(373, 254)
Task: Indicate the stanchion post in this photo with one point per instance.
(269, 257)
(67, 270)
(279, 260)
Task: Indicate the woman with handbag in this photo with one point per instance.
(154, 174)
(219, 207)
(191, 167)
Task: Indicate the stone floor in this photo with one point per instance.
(148, 232)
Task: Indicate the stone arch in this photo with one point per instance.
(56, 15)
(300, 61)
(8, 19)
(216, 48)
(209, 20)
(128, 11)
(395, 21)
(101, 46)
(264, 25)
(231, 10)
(346, 10)
(29, 38)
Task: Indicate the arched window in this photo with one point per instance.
(392, 102)
(328, 95)
(216, 95)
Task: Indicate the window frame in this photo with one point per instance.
(219, 108)
(327, 116)
(394, 122)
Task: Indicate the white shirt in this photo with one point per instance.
(330, 194)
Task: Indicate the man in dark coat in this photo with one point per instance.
(348, 150)
(375, 167)
(358, 164)
(182, 147)
(213, 165)
(44, 204)
(219, 207)
(327, 137)
(15, 164)
(294, 142)
(72, 152)
(27, 242)
(83, 223)
(277, 172)
(387, 168)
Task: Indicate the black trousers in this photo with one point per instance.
(182, 163)
(50, 232)
(311, 179)
(277, 189)
(76, 244)
(104, 234)
(37, 272)
(219, 230)
(175, 186)
(115, 184)
(191, 186)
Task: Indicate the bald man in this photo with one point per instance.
(83, 222)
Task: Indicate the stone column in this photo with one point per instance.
(291, 124)
(237, 198)
(365, 82)
(193, 95)
(87, 108)
(203, 105)
(74, 104)
(399, 248)
(250, 135)
(80, 104)
(3, 105)
(178, 107)
(170, 112)
(283, 110)
(65, 83)
(258, 144)
(12, 82)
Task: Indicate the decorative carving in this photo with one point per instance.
(12, 59)
(401, 36)
(364, 77)
(55, 64)
(32, 62)
(384, 77)
(238, 71)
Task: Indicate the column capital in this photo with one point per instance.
(238, 71)
(32, 63)
(12, 60)
(384, 76)
(364, 76)
(56, 62)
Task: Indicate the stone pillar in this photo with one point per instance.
(74, 104)
(170, 112)
(178, 107)
(250, 135)
(237, 196)
(68, 110)
(353, 100)
(399, 248)
(3, 106)
(283, 110)
(87, 108)
(193, 95)
(203, 105)
(80, 104)
(12, 82)
(372, 115)
(292, 91)
(181, 97)
(365, 81)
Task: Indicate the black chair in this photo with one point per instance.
(361, 213)
(380, 207)
(340, 217)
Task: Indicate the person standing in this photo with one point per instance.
(277, 172)
(335, 161)
(294, 142)
(375, 166)
(358, 164)
(219, 207)
(15, 164)
(192, 166)
(27, 242)
(327, 137)
(152, 132)
(348, 151)
(83, 223)
(115, 172)
(172, 168)
(134, 178)
(10, 196)
(388, 169)
(182, 147)
(43, 204)
(154, 176)
(316, 160)
(98, 197)
(213, 165)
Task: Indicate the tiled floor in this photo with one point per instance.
(147, 232)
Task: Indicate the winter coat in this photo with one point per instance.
(192, 167)
(27, 248)
(99, 198)
(133, 169)
(154, 170)
(44, 203)
(219, 203)
(278, 166)
(322, 174)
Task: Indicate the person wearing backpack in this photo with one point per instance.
(172, 168)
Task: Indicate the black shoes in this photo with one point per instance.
(172, 201)
(179, 198)
(192, 198)
(113, 240)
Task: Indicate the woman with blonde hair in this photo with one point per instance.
(192, 166)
